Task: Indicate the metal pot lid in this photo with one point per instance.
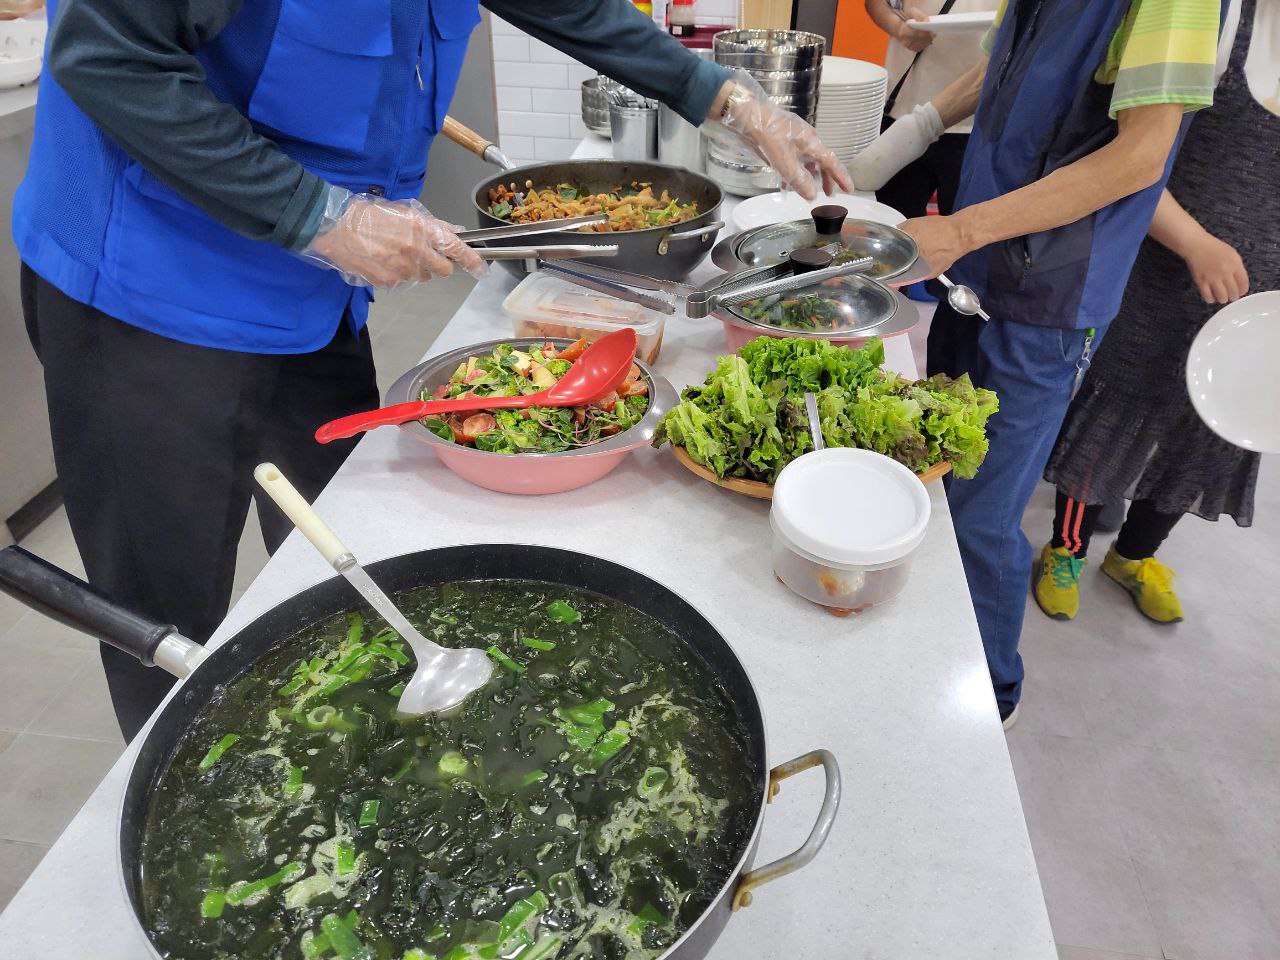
(840, 307)
(893, 250)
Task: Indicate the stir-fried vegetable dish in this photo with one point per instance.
(590, 802)
(800, 313)
(748, 418)
(510, 372)
(630, 207)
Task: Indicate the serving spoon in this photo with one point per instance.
(600, 370)
(443, 677)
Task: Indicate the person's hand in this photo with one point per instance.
(911, 38)
(1217, 270)
(375, 242)
(904, 142)
(16, 9)
(940, 241)
(782, 140)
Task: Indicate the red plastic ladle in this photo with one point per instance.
(594, 375)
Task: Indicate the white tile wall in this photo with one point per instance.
(539, 88)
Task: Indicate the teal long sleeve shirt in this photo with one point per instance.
(132, 68)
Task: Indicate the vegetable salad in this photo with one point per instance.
(630, 207)
(748, 419)
(509, 372)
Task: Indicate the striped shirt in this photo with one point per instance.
(1163, 52)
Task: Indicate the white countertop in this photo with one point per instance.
(929, 856)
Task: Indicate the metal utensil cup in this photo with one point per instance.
(635, 132)
(679, 142)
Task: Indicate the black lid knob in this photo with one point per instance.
(829, 219)
(809, 259)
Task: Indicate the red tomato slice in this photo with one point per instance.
(633, 388)
(441, 391)
(477, 424)
(608, 402)
(573, 351)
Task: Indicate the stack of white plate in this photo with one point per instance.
(850, 104)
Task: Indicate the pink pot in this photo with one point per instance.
(527, 473)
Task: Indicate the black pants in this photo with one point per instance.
(1144, 528)
(938, 170)
(155, 443)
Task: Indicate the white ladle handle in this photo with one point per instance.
(296, 508)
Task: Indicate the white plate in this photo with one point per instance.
(781, 207)
(844, 70)
(955, 22)
(1231, 372)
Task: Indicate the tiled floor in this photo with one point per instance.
(1148, 757)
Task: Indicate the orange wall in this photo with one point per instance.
(856, 36)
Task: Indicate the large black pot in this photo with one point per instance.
(66, 598)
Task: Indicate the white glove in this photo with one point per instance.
(779, 138)
(905, 141)
(375, 242)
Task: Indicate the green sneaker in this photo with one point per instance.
(1149, 582)
(1057, 582)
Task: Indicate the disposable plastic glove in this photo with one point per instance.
(375, 242)
(782, 140)
(15, 9)
(905, 141)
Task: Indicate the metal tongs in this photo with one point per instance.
(804, 268)
(621, 284)
(566, 251)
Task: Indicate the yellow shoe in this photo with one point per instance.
(1057, 588)
(1149, 582)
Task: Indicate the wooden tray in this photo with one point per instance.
(764, 491)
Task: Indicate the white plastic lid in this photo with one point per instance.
(850, 506)
(543, 298)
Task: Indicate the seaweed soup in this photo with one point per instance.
(588, 803)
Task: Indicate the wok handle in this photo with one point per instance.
(670, 237)
(817, 837)
(66, 598)
(468, 139)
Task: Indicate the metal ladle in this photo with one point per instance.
(443, 677)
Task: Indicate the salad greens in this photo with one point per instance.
(510, 372)
(748, 419)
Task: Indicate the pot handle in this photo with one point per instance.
(817, 837)
(468, 139)
(672, 236)
(67, 599)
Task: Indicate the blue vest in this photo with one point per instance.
(353, 91)
(1042, 109)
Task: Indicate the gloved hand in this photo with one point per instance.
(375, 242)
(905, 141)
(781, 139)
(16, 9)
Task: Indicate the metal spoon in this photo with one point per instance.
(815, 422)
(443, 677)
(962, 298)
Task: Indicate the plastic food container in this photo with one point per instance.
(845, 524)
(547, 306)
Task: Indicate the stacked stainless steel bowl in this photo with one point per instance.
(595, 104)
(788, 66)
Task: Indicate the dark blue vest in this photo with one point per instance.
(352, 91)
(1042, 109)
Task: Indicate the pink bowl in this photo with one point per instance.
(527, 473)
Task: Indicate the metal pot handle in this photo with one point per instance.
(673, 235)
(817, 837)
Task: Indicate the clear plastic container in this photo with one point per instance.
(547, 306)
(846, 524)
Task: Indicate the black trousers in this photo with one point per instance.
(155, 442)
(1143, 531)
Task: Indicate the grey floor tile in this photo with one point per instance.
(1066, 952)
(251, 555)
(35, 631)
(53, 541)
(6, 739)
(11, 611)
(81, 709)
(17, 860)
(45, 780)
(1205, 838)
(32, 677)
(1090, 884)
